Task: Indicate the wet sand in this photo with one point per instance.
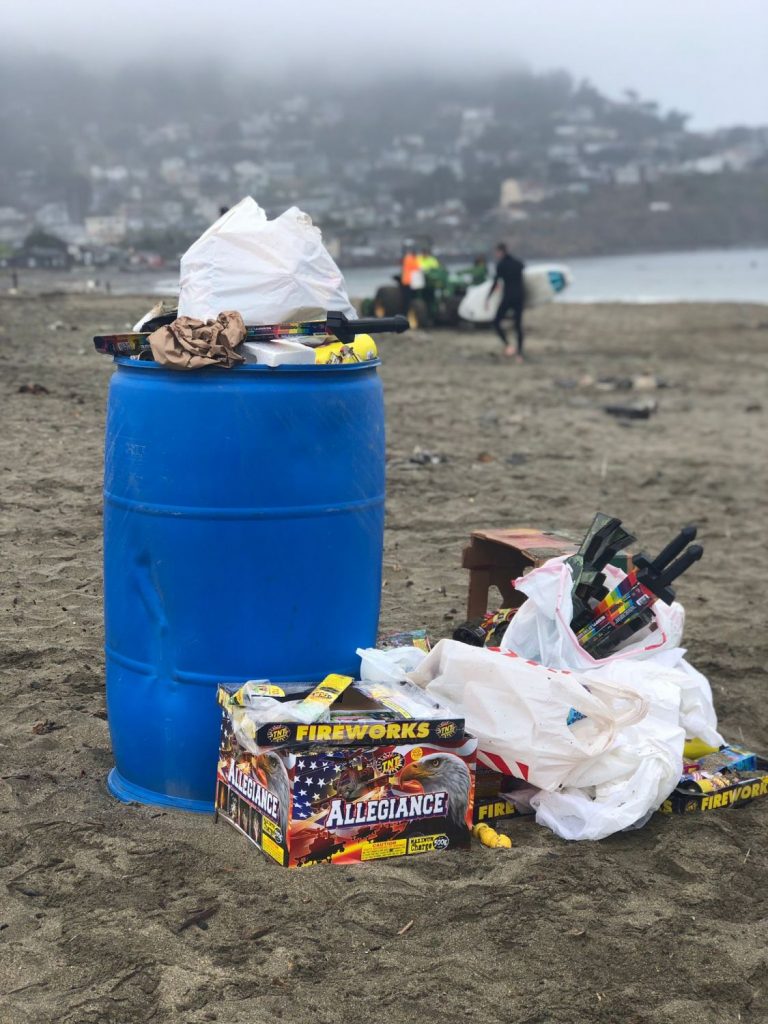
(668, 925)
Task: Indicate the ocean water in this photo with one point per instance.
(714, 275)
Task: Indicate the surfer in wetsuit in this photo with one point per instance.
(509, 272)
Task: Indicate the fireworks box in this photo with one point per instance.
(367, 785)
(490, 802)
(726, 778)
(729, 778)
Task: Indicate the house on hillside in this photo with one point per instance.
(44, 251)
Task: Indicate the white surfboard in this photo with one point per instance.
(543, 283)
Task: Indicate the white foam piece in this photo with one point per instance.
(276, 353)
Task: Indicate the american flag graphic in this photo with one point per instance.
(314, 776)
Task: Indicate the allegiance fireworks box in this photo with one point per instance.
(384, 786)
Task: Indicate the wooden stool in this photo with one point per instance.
(496, 557)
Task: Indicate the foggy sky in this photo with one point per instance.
(708, 58)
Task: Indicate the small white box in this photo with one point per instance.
(277, 353)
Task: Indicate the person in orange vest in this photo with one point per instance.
(410, 275)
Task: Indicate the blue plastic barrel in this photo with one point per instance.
(243, 534)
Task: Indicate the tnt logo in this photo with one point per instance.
(446, 730)
(278, 734)
(389, 765)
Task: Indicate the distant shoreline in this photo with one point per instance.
(699, 275)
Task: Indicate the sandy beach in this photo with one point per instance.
(667, 925)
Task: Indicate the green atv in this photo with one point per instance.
(435, 305)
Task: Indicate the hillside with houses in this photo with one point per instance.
(151, 156)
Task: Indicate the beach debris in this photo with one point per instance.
(406, 638)
(638, 382)
(22, 889)
(45, 725)
(190, 343)
(406, 927)
(33, 389)
(490, 837)
(360, 350)
(633, 410)
(727, 777)
(344, 785)
(278, 353)
(199, 917)
(646, 382)
(486, 457)
(158, 316)
(516, 459)
(613, 384)
(424, 457)
(336, 339)
(487, 632)
(603, 617)
(286, 256)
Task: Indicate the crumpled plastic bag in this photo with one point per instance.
(271, 271)
(390, 666)
(604, 755)
(651, 754)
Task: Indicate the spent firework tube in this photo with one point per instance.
(122, 344)
(320, 699)
(478, 634)
(314, 333)
(625, 602)
(672, 550)
(631, 600)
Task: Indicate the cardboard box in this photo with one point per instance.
(303, 803)
(729, 778)
(703, 789)
(490, 803)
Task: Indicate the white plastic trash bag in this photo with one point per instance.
(390, 666)
(651, 752)
(270, 271)
(604, 755)
(538, 724)
(541, 631)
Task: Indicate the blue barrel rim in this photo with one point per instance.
(287, 368)
(129, 793)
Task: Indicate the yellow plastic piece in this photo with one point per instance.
(694, 749)
(360, 350)
(490, 837)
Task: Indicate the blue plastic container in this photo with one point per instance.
(243, 535)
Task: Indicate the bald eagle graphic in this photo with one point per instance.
(272, 774)
(443, 773)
